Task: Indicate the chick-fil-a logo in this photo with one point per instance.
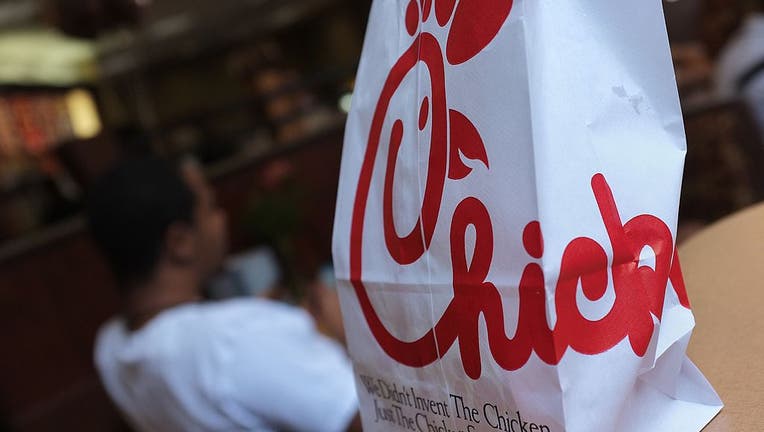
(639, 289)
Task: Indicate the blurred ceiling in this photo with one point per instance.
(44, 57)
(167, 29)
(34, 54)
(15, 13)
(182, 28)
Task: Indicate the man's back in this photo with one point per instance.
(246, 364)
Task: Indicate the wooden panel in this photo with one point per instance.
(51, 302)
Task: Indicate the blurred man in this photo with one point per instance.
(174, 363)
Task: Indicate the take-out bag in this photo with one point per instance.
(504, 235)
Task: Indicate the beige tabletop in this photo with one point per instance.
(724, 271)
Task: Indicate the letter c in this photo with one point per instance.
(416, 419)
(487, 418)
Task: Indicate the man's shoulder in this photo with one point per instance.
(204, 320)
(252, 313)
(170, 332)
(185, 353)
(204, 333)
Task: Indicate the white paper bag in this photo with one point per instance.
(504, 236)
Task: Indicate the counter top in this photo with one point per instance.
(724, 272)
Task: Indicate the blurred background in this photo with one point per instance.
(258, 91)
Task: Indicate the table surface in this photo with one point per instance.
(724, 272)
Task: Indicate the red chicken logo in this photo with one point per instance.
(639, 289)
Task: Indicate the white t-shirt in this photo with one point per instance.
(236, 365)
(741, 56)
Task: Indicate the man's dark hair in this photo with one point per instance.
(130, 210)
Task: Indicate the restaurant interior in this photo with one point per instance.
(258, 92)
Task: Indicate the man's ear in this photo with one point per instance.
(179, 243)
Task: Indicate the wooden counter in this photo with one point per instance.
(724, 271)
